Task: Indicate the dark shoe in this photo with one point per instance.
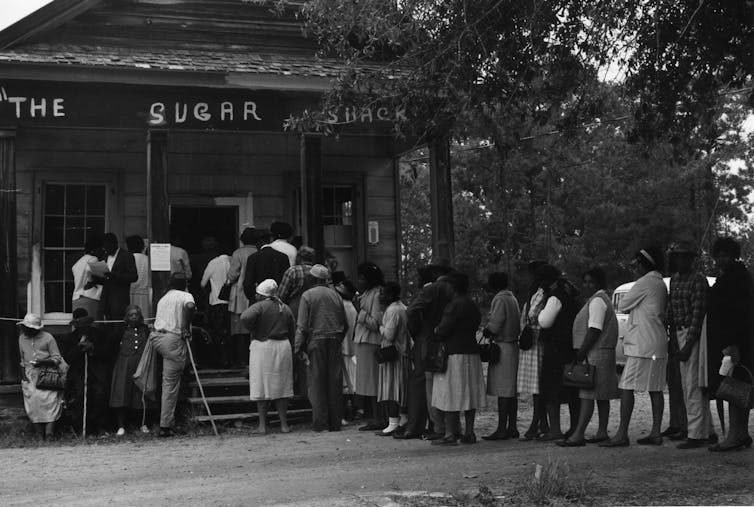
(570, 443)
(468, 439)
(596, 440)
(400, 430)
(736, 445)
(372, 427)
(670, 431)
(681, 435)
(650, 440)
(388, 434)
(615, 443)
(712, 438)
(408, 435)
(513, 434)
(692, 443)
(166, 433)
(568, 434)
(445, 441)
(434, 436)
(528, 437)
(498, 435)
(547, 437)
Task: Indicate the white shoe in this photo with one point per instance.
(145, 429)
(121, 432)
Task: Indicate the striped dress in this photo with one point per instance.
(530, 361)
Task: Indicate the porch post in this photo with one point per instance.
(158, 219)
(441, 198)
(8, 257)
(311, 193)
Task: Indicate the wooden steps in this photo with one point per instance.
(227, 393)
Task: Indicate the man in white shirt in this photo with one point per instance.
(281, 233)
(172, 326)
(218, 319)
(83, 297)
(179, 260)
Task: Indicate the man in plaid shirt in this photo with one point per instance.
(687, 307)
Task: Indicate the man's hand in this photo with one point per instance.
(732, 351)
(86, 346)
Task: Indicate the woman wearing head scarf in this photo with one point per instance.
(645, 346)
(367, 339)
(272, 330)
(729, 332)
(124, 394)
(38, 350)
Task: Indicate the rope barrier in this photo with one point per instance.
(11, 319)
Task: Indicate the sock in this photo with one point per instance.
(393, 424)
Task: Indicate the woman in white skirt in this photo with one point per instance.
(502, 328)
(272, 329)
(367, 340)
(392, 388)
(461, 387)
(645, 346)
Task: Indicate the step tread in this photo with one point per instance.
(221, 381)
(243, 398)
(246, 415)
(235, 372)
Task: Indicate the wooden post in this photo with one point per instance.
(311, 193)
(158, 217)
(8, 258)
(441, 198)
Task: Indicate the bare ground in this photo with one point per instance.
(357, 468)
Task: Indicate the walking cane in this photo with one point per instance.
(86, 389)
(201, 390)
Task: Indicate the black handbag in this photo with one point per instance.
(50, 379)
(386, 354)
(526, 338)
(489, 352)
(437, 357)
(737, 392)
(580, 375)
(225, 292)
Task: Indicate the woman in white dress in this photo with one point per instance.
(141, 294)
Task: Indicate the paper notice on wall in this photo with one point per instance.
(159, 256)
(99, 268)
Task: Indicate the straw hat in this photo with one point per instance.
(32, 321)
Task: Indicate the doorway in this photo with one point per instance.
(192, 224)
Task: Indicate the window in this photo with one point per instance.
(337, 215)
(71, 213)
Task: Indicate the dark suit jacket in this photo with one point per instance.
(264, 264)
(115, 291)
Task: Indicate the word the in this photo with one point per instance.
(160, 114)
(34, 107)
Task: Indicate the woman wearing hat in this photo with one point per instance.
(272, 330)
(38, 349)
(645, 346)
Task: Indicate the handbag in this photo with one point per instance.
(225, 292)
(386, 354)
(579, 375)
(737, 392)
(50, 379)
(489, 352)
(526, 338)
(437, 357)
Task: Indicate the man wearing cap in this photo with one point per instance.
(266, 263)
(172, 326)
(320, 329)
(687, 307)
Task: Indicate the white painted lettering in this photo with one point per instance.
(350, 114)
(226, 110)
(58, 108)
(17, 101)
(382, 114)
(157, 114)
(181, 112)
(200, 111)
(400, 114)
(366, 115)
(332, 117)
(41, 107)
(250, 109)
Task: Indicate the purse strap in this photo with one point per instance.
(751, 377)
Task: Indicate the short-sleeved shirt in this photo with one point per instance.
(169, 315)
(269, 320)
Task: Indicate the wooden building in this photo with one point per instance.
(146, 116)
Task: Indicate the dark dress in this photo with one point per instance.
(558, 345)
(729, 322)
(123, 391)
(116, 291)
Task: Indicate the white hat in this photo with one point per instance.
(31, 320)
(320, 271)
(267, 288)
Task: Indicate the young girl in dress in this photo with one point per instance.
(124, 394)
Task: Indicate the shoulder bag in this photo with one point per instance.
(737, 392)
(386, 354)
(437, 357)
(580, 375)
(526, 338)
(225, 292)
(50, 379)
(489, 352)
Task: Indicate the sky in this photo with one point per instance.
(13, 10)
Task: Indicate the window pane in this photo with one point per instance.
(68, 296)
(95, 200)
(53, 231)
(54, 297)
(75, 232)
(54, 265)
(74, 199)
(95, 226)
(54, 199)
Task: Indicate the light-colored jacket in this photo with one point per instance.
(645, 304)
(238, 301)
(505, 317)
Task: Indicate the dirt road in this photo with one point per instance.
(353, 468)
